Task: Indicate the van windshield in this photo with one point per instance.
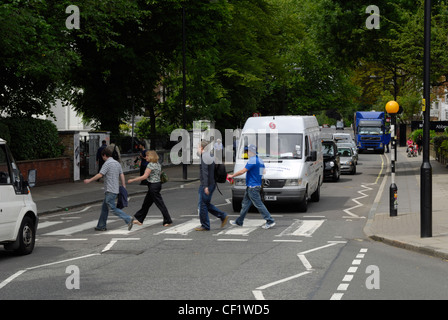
(273, 146)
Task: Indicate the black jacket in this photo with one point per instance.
(207, 171)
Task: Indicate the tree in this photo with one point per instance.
(35, 58)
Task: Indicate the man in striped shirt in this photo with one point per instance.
(112, 173)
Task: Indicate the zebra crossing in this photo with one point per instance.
(296, 228)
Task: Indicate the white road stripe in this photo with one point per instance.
(304, 228)
(183, 228)
(74, 229)
(249, 226)
(124, 230)
(47, 224)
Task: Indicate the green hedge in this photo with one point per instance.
(31, 138)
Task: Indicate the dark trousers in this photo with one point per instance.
(153, 196)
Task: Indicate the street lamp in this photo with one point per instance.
(184, 88)
(426, 170)
(392, 108)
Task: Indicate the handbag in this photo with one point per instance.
(163, 177)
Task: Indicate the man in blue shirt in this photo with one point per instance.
(254, 171)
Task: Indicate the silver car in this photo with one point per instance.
(348, 164)
(347, 144)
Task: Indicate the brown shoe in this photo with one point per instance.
(201, 229)
(224, 222)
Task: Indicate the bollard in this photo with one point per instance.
(393, 200)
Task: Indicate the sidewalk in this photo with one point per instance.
(70, 195)
(404, 229)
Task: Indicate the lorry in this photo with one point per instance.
(370, 131)
(291, 149)
(18, 212)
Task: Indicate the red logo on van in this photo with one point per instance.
(272, 125)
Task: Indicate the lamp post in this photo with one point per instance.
(184, 88)
(426, 170)
(392, 108)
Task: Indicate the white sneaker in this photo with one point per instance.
(233, 223)
(268, 225)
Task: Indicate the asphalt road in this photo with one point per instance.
(322, 254)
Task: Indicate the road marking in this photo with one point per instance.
(183, 228)
(115, 240)
(249, 226)
(47, 224)
(304, 228)
(74, 229)
(343, 286)
(124, 230)
(9, 279)
(358, 204)
(283, 280)
(258, 294)
(18, 273)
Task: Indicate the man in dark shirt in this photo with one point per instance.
(206, 188)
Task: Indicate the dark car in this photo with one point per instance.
(332, 162)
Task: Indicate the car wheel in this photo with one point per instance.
(336, 174)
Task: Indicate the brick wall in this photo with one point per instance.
(49, 171)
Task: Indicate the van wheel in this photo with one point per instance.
(315, 197)
(303, 205)
(26, 238)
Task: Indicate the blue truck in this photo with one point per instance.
(370, 131)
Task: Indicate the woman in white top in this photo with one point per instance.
(152, 175)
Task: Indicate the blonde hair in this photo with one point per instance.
(152, 156)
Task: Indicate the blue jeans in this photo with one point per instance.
(252, 196)
(205, 207)
(109, 204)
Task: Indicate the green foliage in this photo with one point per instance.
(4, 132)
(242, 56)
(35, 57)
(32, 138)
(416, 135)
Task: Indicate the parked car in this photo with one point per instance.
(332, 163)
(342, 136)
(347, 160)
(349, 145)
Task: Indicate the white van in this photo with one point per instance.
(291, 148)
(18, 213)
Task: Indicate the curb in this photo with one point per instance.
(430, 251)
